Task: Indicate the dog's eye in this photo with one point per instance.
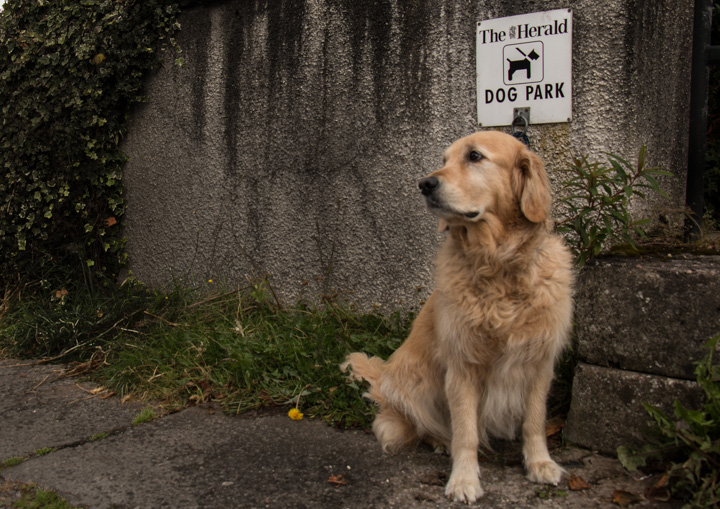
(475, 156)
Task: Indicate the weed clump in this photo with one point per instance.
(595, 202)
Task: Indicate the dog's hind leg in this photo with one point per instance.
(394, 431)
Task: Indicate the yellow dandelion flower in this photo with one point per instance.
(295, 414)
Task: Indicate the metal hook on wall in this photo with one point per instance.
(521, 120)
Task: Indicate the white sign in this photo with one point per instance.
(525, 61)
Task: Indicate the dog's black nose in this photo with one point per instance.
(428, 185)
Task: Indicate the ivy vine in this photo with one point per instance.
(69, 72)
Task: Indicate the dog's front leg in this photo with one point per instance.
(463, 396)
(538, 463)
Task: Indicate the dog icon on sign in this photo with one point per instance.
(523, 63)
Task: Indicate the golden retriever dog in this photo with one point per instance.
(480, 355)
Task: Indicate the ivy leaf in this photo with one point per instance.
(83, 62)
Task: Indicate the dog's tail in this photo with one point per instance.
(370, 369)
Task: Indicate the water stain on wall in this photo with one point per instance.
(292, 141)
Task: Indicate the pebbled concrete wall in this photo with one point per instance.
(291, 142)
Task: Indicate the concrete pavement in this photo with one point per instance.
(201, 458)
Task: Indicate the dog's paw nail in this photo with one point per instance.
(467, 490)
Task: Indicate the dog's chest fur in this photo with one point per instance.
(492, 307)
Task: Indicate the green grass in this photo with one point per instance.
(145, 415)
(11, 462)
(47, 318)
(44, 451)
(37, 498)
(16, 460)
(243, 351)
(237, 348)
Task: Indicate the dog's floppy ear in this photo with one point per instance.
(531, 186)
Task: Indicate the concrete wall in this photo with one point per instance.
(641, 324)
(291, 142)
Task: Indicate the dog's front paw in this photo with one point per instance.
(545, 472)
(464, 488)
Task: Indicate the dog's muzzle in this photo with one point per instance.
(428, 186)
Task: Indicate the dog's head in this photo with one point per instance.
(488, 173)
